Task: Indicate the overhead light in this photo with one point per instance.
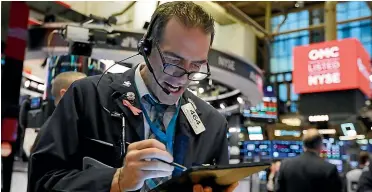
(27, 84)
(34, 85)
(269, 88)
(240, 100)
(292, 121)
(41, 87)
(266, 99)
(362, 141)
(299, 4)
(201, 90)
(222, 106)
(254, 130)
(360, 136)
(318, 118)
(343, 138)
(368, 102)
(256, 137)
(234, 130)
(282, 133)
(323, 131)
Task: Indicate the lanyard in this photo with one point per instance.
(168, 137)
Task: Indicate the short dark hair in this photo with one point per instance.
(312, 140)
(363, 157)
(188, 13)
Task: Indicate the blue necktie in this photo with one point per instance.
(157, 120)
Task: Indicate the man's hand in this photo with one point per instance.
(199, 188)
(137, 169)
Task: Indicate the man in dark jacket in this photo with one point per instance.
(123, 120)
(308, 172)
(60, 85)
(365, 180)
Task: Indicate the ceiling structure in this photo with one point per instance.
(255, 12)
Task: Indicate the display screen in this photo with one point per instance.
(331, 66)
(286, 149)
(267, 109)
(332, 150)
(336, 162)
(35, 103)
(260, 150)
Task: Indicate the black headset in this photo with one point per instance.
(145, 44)
(144, 48)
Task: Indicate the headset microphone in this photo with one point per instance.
(144, 48)
(166, 91)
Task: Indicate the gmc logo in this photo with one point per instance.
(327, 53)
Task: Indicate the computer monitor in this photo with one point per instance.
(336, 162)
(256, 150)
(286, 149)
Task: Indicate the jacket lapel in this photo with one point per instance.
(125, 85)
(185, 137)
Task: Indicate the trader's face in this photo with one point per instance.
(181, 46)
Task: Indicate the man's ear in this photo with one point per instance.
(62, 92)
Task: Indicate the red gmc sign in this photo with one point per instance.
(331, 66)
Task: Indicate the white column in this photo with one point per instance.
(237, 39)
(143, 11)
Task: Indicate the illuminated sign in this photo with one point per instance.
(348, 129)
(282, 133)
(331, 66)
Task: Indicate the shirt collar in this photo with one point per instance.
(140, 83)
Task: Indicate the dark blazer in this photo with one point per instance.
(365, 180)
(79, 127)
(308, 172)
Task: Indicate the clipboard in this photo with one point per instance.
(218, 177)
(89, 162)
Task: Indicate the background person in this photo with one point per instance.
(308, 172)
(352, 177)
(365, 180)
(59, 87)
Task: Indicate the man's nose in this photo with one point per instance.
(186, 65)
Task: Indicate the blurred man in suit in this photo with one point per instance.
(365, 180)
(308, 172)
(352, 177)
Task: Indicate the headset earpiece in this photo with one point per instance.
(144, 46)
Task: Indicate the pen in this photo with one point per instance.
(176, 165)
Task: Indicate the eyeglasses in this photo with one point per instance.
(175, 70)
